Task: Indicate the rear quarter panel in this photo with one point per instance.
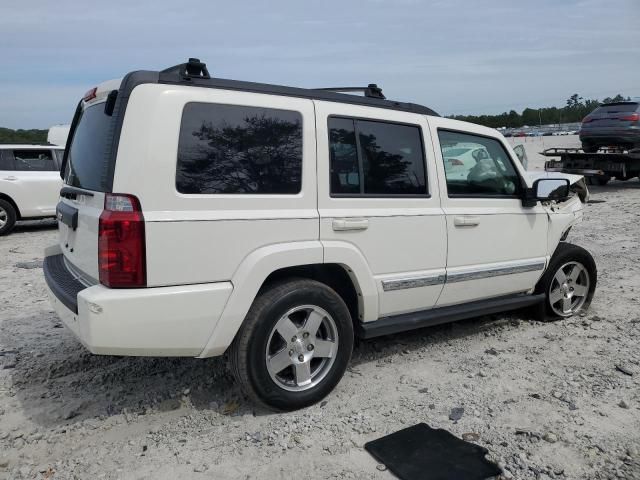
(204, 238)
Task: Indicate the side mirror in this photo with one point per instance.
(545, 189)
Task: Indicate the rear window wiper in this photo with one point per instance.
(72, 192)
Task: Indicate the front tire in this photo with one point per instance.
(569, 282)
(8, 217)
(589, 148)
(294, 345)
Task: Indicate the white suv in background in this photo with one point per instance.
(29, 183)
(201, 216)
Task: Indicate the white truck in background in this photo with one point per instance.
(58, 134)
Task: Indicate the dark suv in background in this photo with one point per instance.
(612, 124)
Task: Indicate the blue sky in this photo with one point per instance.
(472, 56)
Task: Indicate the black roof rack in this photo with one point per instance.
(372, 90)
(194, 68)
(194, 73)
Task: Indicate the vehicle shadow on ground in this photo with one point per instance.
(61, 383)
(35, 225)
(615, 186)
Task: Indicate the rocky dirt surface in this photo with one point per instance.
(548, 400)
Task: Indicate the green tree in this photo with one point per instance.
(8, 135)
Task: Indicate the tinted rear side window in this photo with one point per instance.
(6, 160)
(393, 158)
(375, 158)
(34, 160)
(87, 161)
(226, 149)
(343, 152)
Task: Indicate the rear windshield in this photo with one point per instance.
(623, 107)
(87, 161)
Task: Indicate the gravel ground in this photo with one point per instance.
(549, 400)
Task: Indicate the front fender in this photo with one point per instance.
(562, 216)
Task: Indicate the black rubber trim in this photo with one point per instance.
(63, 285)
(72, 192)
(67, 214)
(437, 316)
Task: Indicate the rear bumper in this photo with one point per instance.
(612, 137)
(162, 321)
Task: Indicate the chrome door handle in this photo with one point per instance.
(344, 224)
(466, 221)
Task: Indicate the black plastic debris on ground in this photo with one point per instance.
(424, 453)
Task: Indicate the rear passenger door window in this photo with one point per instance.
(477, 166)
(6, 160)
(375, 158)
(232, 149)
(34, 160)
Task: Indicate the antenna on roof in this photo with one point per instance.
(372, 90)
(194, 68)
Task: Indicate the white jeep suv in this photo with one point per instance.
(201, 216)
(29, 183)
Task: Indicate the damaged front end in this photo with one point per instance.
(577, 183)
(563, 213)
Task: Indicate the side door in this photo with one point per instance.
(495, 245)
(378, 197)
(37, 181)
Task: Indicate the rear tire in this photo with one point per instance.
(569, 282)
(294, 346)
(8, 217)
(600, 181)
(589, 148)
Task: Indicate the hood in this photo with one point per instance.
(533, 176)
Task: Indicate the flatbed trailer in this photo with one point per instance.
(598, 168)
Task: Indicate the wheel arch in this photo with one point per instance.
(347, 273)
(6, 197)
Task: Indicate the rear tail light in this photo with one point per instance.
(587, 119)
(91, 94)
(634, 117)
(121, 243)
(455, 161)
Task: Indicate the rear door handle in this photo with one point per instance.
(11, 178)
(466, 221)
(344, 224)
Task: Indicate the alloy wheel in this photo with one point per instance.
(4, 217)
(302, 348)
(569, 289)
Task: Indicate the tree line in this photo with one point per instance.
(8, 135)
(575, 110)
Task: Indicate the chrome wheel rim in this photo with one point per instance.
(302, 348)
(569, 289)
(4, 217)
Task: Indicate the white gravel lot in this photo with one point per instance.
(546, 399)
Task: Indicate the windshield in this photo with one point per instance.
(87, 164)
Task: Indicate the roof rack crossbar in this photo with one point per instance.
(195, 73)
(372, 90)
(194, 68)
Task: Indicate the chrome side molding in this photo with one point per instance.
(413, 282)
(475, 273)
(483, 272)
